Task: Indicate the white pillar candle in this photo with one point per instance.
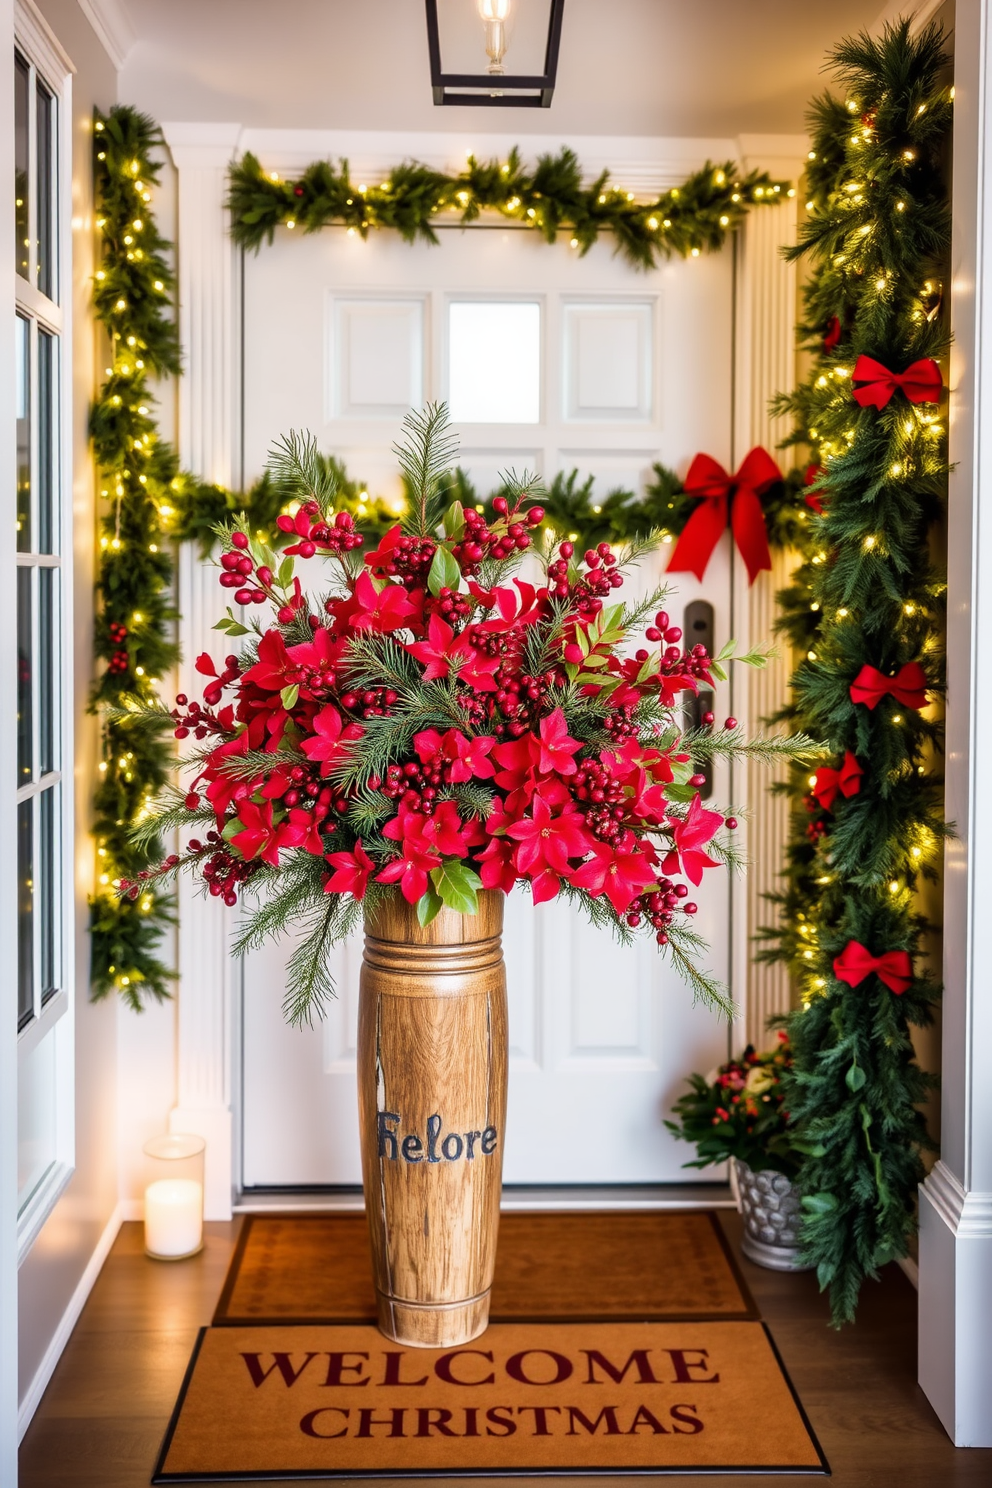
(173, 1217)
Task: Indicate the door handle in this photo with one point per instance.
(697, 628)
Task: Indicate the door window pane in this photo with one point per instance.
(25, 701)
(45, 111)
(48, 884)
(25, 913)
(47, 428)
(45, 698)
(494, 362)
(36, 1095)
(23, 394)
(22, 145)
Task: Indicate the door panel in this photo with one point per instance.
(339, 337)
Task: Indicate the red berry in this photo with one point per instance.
(566, 549)
(708, 718)
(192, 801)
(731, 822)
(243, 597)
(239, 539)
(501, 505)
(697, 780)
(731, 723)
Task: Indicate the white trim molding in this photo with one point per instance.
(955, 1363)
(53, 1353)
(209, 424)
(113, 26)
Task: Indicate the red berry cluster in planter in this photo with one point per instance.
(520, 697)
(416, 784)
(197, 720)
(409, 561)
(222, 872)
(590, 589)
(373, 702)
(450, 606)
(659, 905)
(506, 536)
(338, 536)
(595, 783)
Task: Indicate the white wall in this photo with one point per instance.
(52, 1270)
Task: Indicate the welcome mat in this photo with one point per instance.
(525, 1398)
(316, 1268)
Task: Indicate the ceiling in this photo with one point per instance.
(627, 67)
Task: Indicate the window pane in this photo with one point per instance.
(50, 891)
(25, 669)
(47, 429)
(36, 1091)
(46, 137)
(25, 912)
(494, 362)
(22, 89)
(23, 354)
(45, 694)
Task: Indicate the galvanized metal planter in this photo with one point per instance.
(769, 1205)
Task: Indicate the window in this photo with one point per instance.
(494, 361)
(41, 793)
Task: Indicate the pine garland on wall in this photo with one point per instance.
(866, 607)
(687, 220)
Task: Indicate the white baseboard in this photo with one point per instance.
(70, 1317)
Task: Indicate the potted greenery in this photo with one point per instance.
(736, 1114)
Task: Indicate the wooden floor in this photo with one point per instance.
(103, 1416)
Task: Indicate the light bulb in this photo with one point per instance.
(494, 13)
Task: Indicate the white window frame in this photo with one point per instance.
(55, 1020)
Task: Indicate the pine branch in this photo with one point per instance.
(426, 455)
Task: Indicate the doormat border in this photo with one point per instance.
(750, 1312)
(610, 1471)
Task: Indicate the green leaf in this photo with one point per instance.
(232, 828)
(725, 651)
(855, 1079)
(289, 697)
(454, 521)
(582, 640)
(444, 573)
(428, 907)
(718, 671)
(821, 1203)
(457, 885)
(285, 572)
(684, 793)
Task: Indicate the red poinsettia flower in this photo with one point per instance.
(441, 648)
(469, 757)
(689, 834)
(514, 610)
(621, 876)
(308, 824)
(545, 844)
(556, 746)
(379, 610)
(351, 872)
(410, 870)
(332, 739)
(383, 558)
(271, 670)
(260, 837)
(496, 865)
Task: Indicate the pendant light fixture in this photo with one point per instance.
(472, 41)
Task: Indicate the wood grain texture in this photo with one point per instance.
(858, 1386)
(432, 1071)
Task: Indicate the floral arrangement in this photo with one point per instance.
(739, 1111)
(432, 727)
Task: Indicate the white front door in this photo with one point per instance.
(550, 362)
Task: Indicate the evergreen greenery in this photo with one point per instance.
(868, 593)
(551, 198)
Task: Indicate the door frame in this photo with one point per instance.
(210, 397)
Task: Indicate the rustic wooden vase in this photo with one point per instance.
(432, 1059)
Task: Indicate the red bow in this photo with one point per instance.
(922, 382)
(815, 499)
(847, 780)
(908, 686)
(722, 494)
(855, 962)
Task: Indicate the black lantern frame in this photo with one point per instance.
(445, 85)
